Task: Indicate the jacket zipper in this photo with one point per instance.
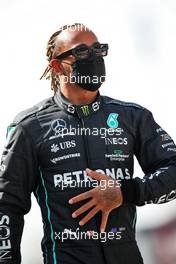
(86, 150)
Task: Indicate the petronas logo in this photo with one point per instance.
(112, 121)
(85, 110)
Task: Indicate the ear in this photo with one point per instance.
(56, 65)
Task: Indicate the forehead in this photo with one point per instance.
(68, 39)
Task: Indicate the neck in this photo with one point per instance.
(78, 96)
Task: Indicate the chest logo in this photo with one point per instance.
(112, 121)
(58, 126)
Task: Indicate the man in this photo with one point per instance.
(75, 152)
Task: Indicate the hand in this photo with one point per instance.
(104, 200)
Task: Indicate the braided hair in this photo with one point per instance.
(49, 73)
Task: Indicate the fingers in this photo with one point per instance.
(83, 208)
(89, 216)
(104, 221)
(96, 175)
(80, 197)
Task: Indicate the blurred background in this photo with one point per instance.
(140, 68)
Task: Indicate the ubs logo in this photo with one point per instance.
(63, 145)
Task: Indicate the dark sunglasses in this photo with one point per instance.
(83, 51)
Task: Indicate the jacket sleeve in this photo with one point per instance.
(156, 154)
(17, 180)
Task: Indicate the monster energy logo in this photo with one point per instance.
(85, 110)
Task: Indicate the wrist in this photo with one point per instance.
(128, 189)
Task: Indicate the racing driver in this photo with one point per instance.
(75, 152)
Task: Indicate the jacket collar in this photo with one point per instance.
(79, 110)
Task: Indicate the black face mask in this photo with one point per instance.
(89, 73)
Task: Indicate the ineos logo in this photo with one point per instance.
(4, 232)
(58, 125)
